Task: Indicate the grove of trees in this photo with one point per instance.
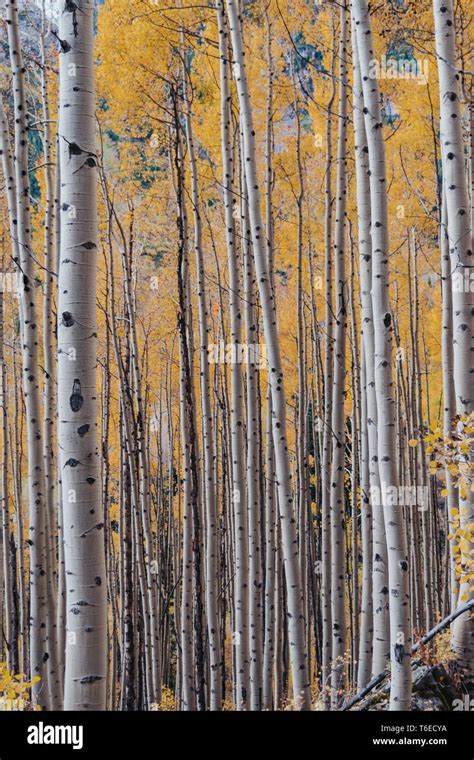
(236, 354)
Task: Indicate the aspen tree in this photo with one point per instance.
(188, 696)
(337, 498)
(422, 471)
(132, 477)
(328, 387)
(5, 547)
(296, 627)
(185, 331)
(374, 646)
(80, 461)
(355, 466)
(300, 420)
(239, 494)
(400, 623)
(30, 370)
(137, 401)
(49, 374)
(5, 588)
(270, 493)
(460, 251)
(381, 635)
(253, 490)
(449, 400)
(207, 431)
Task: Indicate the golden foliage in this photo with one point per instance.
(15, 690)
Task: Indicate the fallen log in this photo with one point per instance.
(424, 640)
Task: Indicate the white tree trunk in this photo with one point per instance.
(209, 488)
(338, 421)
(86, 603)
(398, 591)
(55, 677)
(449, 399)
(296, 627)
(460, 250)
(328, 382)
(239, 489)
(30, 342)
(380, 647)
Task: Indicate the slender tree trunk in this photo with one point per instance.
(207, 431)
(49, 376)
(86, 613)
(253, 486)
(374, 629)
(400, 623)
(328, 389)
(296, 627)
(270, 527)
(460, 250)
(188, 695)
(239, 494)
(449, 399)
(6, 588)
(337, 498)
(30, 340)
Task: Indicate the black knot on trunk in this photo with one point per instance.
(65, 46)
(91, 679)
(71, 7)
(74, 149)
(399, 652)
(76, 401)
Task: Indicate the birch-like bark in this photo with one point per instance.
(449, 399)
(80, 461)
(400, 623)
(270, 518)
(296, 623)
(355, 473)
(6, 620)
(328, 383)
(137, 401)
(16, 436)
(30, 340)
(381, 634)
(253, 489)
(188, 695)
(460, 250)
(337, 497)
(10, 184)
(131, 470)
(49, 376)
(239, 491)
(422, 473)
(301, 423)
(185, 333)
(374, 643)
(207, 430)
